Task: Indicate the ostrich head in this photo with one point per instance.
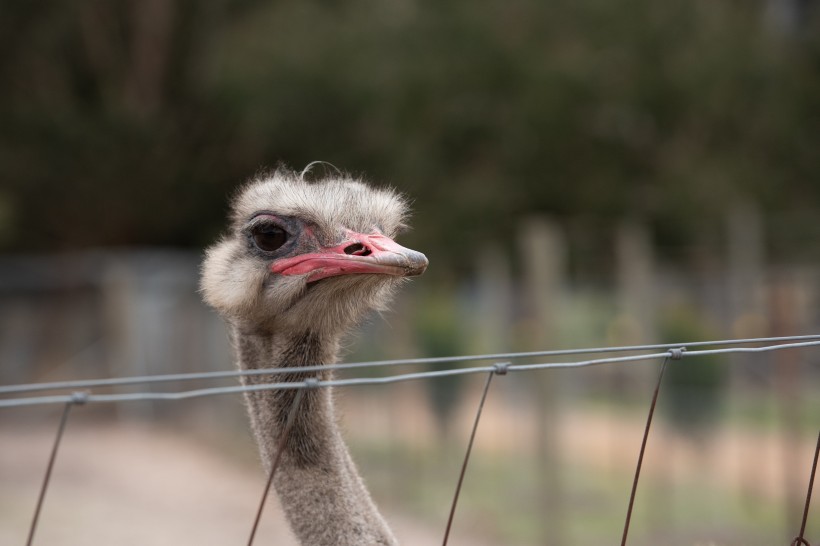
(314, 255)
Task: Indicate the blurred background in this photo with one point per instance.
(582, 172)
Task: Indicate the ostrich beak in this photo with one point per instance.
(359, 254)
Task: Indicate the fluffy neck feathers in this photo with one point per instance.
(322, 494)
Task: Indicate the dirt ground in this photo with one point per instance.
(134, 484)
(128, 482)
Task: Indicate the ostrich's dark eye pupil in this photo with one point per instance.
(268, 237)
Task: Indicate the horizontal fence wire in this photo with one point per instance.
(503, 364)
(78, 389)
(227, 374)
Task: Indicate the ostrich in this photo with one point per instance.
(300, 265)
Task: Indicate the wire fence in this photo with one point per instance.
(76, 393)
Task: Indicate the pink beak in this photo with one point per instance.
(358, 254)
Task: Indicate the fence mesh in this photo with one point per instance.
(77, 393)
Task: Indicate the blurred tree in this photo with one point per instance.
(693, 388)
(128, 122)
(107, 135)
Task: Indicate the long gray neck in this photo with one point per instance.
(321, 491)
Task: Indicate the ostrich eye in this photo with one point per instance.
(268, 237)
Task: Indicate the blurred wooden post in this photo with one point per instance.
(492, 323)
(637, 324)
(544, 257)
(746, 273)
(747, 307)
(18, 345)
(123, 349)
(787, 367)
(636, 283)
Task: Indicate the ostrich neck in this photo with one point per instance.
(320, 489)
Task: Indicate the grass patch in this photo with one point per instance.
(504, 500)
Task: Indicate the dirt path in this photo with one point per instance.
(132, 484)
(127, 485)
(136, 484)
(762, 462)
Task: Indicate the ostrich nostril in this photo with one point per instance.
(357, 249)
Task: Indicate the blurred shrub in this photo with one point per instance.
(439, 333)
(693, 390)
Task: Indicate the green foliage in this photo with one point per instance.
(124, 123)
(693, 388)
(438, 333)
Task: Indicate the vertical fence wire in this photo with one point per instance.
(500, 369)
(676, 354)
(283, 440)
(800, 538)
(49, 467)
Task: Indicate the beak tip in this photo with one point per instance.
(416, 264)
